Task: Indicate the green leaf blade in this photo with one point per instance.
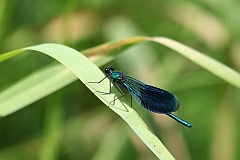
(201, 59)
(86, 71)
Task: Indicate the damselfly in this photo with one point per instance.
(149, 97)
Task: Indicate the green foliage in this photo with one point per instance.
(47, 114)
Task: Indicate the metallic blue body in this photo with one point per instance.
(149, 97)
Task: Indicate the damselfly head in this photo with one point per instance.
(109, 69)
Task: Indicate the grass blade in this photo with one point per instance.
(201, 59)
(34, 87)
(86, 71)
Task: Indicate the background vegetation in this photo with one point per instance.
(73, 124)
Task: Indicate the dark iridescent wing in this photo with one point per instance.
(151, 98)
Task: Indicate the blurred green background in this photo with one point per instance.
(73, 124)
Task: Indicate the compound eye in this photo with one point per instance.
(112, 68)
(107, 70)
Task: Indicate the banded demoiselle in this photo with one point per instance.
(149, 97)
